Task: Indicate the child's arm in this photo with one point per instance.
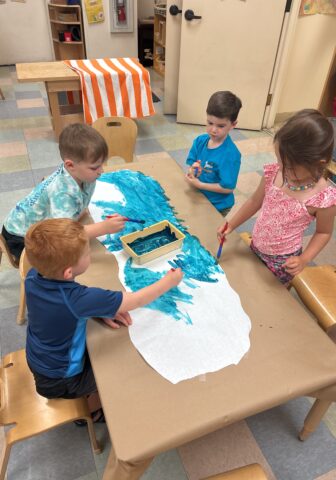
(110, 225)
(211, 187)
(132, 300)
(324, 228)
(246, 211)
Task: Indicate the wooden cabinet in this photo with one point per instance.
(67, 31)
(159, 39)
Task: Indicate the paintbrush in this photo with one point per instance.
(219, 252)
(128, 219)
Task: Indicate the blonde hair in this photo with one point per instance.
(53, 245)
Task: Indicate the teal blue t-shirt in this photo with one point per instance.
(219, 165)
(58, 196)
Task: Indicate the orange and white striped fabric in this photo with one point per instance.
(113, 87)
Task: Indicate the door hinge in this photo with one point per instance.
(269, 99)
(288, 6)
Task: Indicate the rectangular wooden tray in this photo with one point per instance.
(157, 252)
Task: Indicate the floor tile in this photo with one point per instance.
(167, 466)
(13, 336)
(14, 135)
(147, 146)
(8, 200)
(13, 148)
(63, 453)
(30, 102)
(43, 153)
(14, 164)
(176, 142)
(16, 180)
(39, 133)
(221, 451)
(276, 433)
(249, 182)
(28, 94)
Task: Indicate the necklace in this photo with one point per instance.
(298, 188)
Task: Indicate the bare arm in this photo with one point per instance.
(324, 228)
(149, 294)
(110, 225)
(246, 211)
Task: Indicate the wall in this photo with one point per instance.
(309, 62)
(145, 8)
(100, 42)
(24, 33)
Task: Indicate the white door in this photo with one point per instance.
(233, 46)
(173, 41)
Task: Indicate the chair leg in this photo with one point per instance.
(92, 434)
(314, 417)
(4, 459)
(20, 319)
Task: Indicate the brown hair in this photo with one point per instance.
(81, 143)
(305, 140)
(224, 105)
(53, 245)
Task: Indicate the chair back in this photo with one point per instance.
(24, 265)
(120, 135)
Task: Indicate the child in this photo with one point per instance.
(67, 192)
(59, 308)
(214, 158)
(292, 193)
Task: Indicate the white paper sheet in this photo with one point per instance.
(217, 337)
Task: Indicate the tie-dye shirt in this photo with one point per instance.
(58, 196)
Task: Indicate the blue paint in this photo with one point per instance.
(144, 198)
(153, 241)
(142, 277)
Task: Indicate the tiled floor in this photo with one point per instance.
(28, 151)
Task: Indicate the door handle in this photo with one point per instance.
(174, 10)
(189, 15)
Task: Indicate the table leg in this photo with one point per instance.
(314, 417)
(118, 470)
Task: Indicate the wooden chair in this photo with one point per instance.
(249, 472)
(5, 250)
(246, 237)
(120, 135)
(31, 413)
(316, 287)
(2, 96)
(24, 267)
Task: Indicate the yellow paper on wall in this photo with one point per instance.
(94, 11)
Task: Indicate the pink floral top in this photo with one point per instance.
(282, 220)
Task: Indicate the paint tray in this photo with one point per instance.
(157, 252)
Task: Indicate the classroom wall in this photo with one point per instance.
(24, 32)
(100, 42)
(309, 61)
(145, 8)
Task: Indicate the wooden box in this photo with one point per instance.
(157, 252)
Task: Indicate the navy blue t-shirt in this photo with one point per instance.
(219, 165)
(57, 315)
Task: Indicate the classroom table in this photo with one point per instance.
(57, 77)
(290, 355)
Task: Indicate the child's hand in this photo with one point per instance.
(192, 180)
(223, 231)
(115, 223)
(174, 276)
(294, 265)
(123, 318)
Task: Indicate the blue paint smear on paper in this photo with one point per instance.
(142, 277)
(143, 197)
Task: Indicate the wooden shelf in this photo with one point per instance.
(159, 47)
(67, 18)
(65, 23)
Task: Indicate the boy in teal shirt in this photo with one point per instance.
(67, 192)
(214, 158)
